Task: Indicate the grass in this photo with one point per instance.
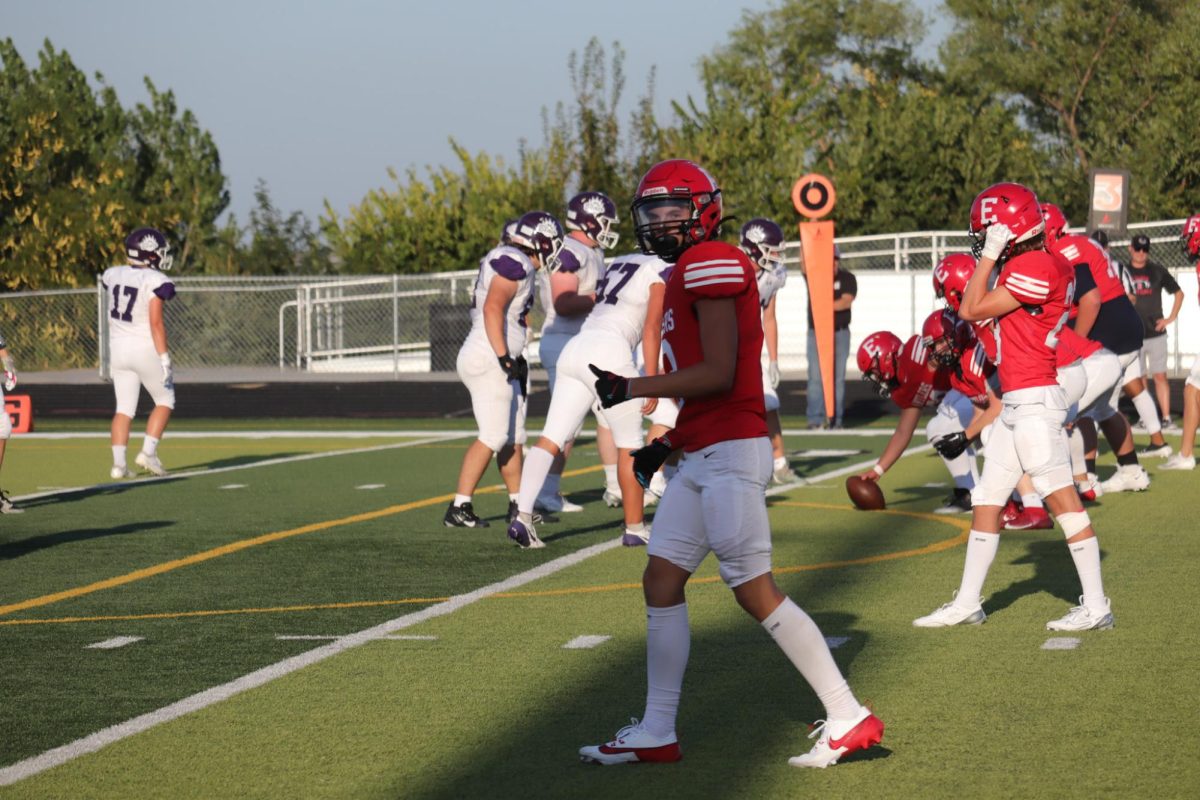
(494, 706)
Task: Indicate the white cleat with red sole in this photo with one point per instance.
(838, 738)
(633, 744)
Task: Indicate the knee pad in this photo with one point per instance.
(941, 425)
(1073, 522)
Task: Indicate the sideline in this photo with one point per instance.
(96, 741)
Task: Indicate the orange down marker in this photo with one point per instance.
(813, 197)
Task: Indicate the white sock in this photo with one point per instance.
(550, 487)
(462, 499)
(981, 549)
(781, 462)
(1075, 444)
(667, 643)
(1032, 500)
(1086, 555)
(119, 455)
(610, 478)
(149, 445)
(801, 641)
(1147, 412)
(533, 476)
(635, 527)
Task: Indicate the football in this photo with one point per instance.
(865, 495)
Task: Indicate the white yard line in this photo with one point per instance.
(585, 642)
(90, 744)
(114, 643)
(402, 434)
(1062, 643)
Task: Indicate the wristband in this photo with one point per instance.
(878, 470)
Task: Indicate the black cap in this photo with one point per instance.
(1140, 242)
(1100, 237)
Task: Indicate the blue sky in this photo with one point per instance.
(320, 98)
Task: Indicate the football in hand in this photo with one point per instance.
(865, 495)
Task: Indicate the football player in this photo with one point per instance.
(1031, 302)
(628, 310)
(491, 363)
(9, 383)
(1189, 238)
(712, 349)
(1101, 311)
(567, 295)
(137, 293)
(762, 241)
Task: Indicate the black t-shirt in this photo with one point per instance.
(844, 282)
(1117, 326)
(1148, 285)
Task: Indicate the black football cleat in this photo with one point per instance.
(463, 517)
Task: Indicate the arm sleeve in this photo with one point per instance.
(508, 267)
(567, 261)
(849, 283)
(1084, 281)
(712, 270)
(1028, 284)
(1169, 282)
(165, 291)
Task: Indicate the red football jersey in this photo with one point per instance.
(970, 376)
(1072, 346)
(985, 334)
(714, 270)
(1075, 249)
(1045, 285)
(921, 382)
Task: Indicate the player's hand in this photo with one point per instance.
(649, 405)
(996, 241)
(1160, 325)
(509, 365)
(168, 372)
(10, 380)
(611, 388)
(870, 475)
(773, 374)
(648, 459)
(523, 375)
(952, 445)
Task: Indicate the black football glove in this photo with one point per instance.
(509, 365)
(523, 375)
(953, 445)
(611, 388)
(647, 460)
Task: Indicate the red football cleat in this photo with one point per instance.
(865, 730)
(633, 744)
(1030, 519)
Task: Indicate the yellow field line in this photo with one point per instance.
(935, 547)
(234, 547)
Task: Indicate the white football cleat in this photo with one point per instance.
(6, 505)
(118, 472)
(150, 463)
(785, 475)
(1155, 451)
(631, 745)
(612, 499)
(1080, 618)
(636, 538)
(1179, 461)
(951, 614)
(840, 737)
(1127, 478)
(556, 505)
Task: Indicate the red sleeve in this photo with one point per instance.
(715, 269)
(1028, 279)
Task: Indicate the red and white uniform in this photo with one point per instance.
(1075, 249)
(707, 271)
(1028, 437)
(921, 382)
(971, 377)
(715, 502)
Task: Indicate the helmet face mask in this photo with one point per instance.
(877, 361)
(539, 234)
(594, 214)
(148, 247)
(677, 204)
(941, 337)
(1009, 204)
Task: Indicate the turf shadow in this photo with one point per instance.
(23, 547)
(1054, 573)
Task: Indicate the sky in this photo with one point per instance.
(319, 99)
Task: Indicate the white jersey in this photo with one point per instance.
(511, 263)
(129, 290)
(623, 295)
(770, 281)
(586, 263)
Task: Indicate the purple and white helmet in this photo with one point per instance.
(539, 233)
(594, 214)
(762, 240)
(147, 247)
(507, 230)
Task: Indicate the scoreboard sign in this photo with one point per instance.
(1109, 200)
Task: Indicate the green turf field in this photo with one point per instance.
(451, 692)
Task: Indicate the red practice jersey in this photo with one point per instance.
(1075, 249)
(971, 373)
(1072, 346)
(1044, 284)
(921, 382)
(714, 270)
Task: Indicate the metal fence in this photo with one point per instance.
(399, 324)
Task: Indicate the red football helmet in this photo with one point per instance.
(1189, 238)
(877, 361)
(941, 337)
(1008, 204)
(677, 205)
(950, 278)
(1056, 222)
